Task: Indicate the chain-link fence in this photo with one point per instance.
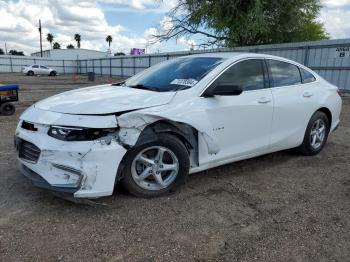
(330, 58)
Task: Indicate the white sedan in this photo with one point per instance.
(178, 117)
(38, 70)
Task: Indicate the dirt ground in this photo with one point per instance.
(278, 207)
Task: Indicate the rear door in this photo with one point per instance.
(291, 105)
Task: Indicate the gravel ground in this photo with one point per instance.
(278, 207)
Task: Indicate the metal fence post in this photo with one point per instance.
(306, 57)
(134, 65)
(64, 68)
(93, 65)
(121, 67)
(86, 66)
(101, 66)
(149, 61)
(77, 68)
(110, 67)
(11, 64)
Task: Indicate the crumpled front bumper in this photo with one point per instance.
(84, 169)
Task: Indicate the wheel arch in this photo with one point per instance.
(186, 133)
(328, 113)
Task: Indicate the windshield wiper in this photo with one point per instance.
(140, 86)
(118, 83)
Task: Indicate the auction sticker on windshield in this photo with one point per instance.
(184, 82)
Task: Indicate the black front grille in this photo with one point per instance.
(28, 151)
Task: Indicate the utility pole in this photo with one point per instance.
(41, 41)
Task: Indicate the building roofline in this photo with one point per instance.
(48, 50)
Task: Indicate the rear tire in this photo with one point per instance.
(316, 135)
(150, 173)
(30, 73)
(7, 109)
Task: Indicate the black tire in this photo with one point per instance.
(30, 73)
(53, 73)
(165, 141)
(306, 147)
(7, 109)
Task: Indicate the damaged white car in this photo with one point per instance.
(178, 117)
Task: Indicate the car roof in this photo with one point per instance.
(232, 56)
(237, 55)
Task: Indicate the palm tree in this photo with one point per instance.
(109, 39)
(56, 45)
(49, 38)
(77, 38)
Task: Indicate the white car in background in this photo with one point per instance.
(178, 117)
(38, 70)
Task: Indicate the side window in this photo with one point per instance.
(306, 76)
(248, 74)
(283, 74)
(35, 66)
(44, 67)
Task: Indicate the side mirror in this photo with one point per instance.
(223, 90)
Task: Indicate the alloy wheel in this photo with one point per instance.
(317, 134)
(155, 168)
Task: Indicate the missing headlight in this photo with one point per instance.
(79, 133)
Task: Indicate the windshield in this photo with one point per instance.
(174, 75)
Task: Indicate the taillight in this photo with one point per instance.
(339, 93)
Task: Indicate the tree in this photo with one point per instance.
(119, 54)
(50, 38)
(77, 38)
(245, 22)
(109, 40)
(2, 51)
(56, 45)
(70, 46)
(15, 52)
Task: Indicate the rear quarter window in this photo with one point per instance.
(306, 76)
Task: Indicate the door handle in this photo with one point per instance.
(264, 100)
(307, 94)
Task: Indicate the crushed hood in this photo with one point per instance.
(105, 99)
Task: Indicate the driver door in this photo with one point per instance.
(241, 123)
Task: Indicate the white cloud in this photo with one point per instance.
(166, 23)
(335, 3)
(334, 15)
(144, 5)
(64, 18)
(188, 43)
(335, 22)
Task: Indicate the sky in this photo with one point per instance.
(130, 22)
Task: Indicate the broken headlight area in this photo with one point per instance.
(65, 133)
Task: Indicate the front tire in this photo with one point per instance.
(53, 73)
(156, 168)
(316, 134)
(30, 73)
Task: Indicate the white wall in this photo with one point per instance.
(71, 54)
